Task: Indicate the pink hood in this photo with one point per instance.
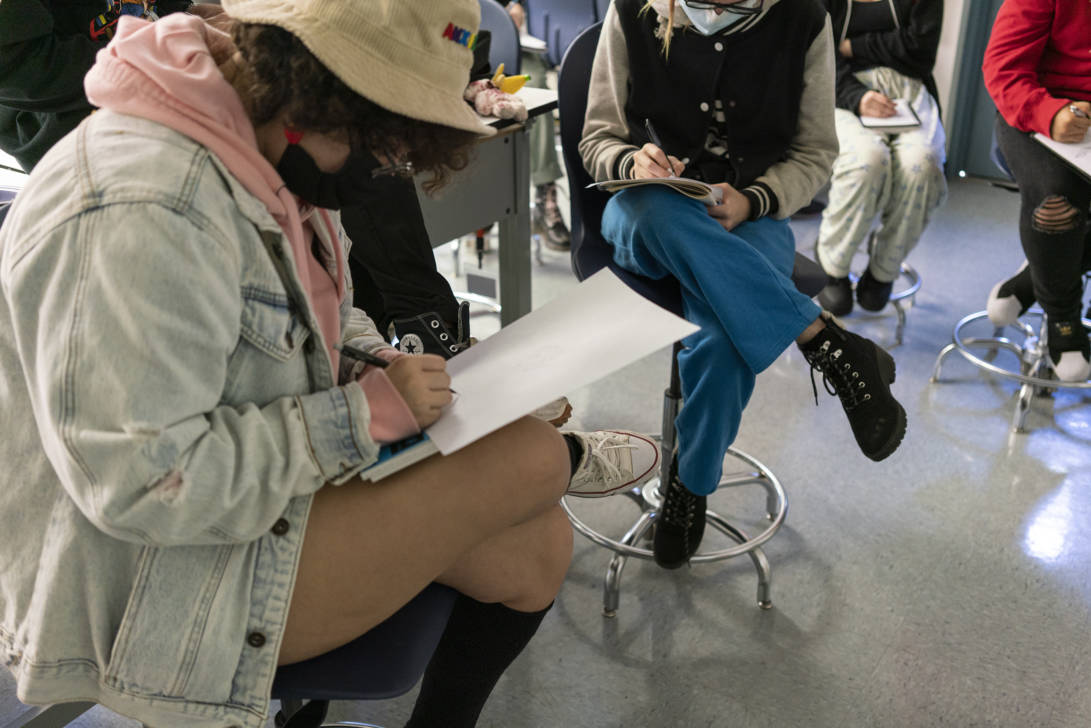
(163, 71)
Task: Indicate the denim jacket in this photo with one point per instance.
(169, 410)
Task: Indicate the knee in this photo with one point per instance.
(1055, 215)
(867, 164)
(542, 464)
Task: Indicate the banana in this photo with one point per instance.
(508, 84)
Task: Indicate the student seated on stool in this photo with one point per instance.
(185, 430)
(886, 51)
(698, 73)
(1038, 72)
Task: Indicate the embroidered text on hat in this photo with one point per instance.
(460, 35)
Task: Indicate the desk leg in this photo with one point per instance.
(514, 234)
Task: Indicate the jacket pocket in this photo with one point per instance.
(271, 323)
(183, 599)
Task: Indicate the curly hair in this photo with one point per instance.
(282, 75)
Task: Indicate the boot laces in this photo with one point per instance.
(679, 506)
(838, 377)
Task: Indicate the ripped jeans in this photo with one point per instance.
(1053, 220)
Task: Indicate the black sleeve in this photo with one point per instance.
(910, 49)
(849, 88)
(41, 71)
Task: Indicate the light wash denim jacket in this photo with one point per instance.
(168, 411)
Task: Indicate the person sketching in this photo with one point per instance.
(186, 426)
(1038, 72)
(744, 90)
(886, 50)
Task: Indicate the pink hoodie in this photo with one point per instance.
(163, 72)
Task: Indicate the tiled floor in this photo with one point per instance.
(946, 586)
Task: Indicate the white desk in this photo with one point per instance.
(495, 188)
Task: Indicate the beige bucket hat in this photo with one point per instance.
(411, 57)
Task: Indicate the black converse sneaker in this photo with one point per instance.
(547, 216)
(860, 374)
(429, 334)
(836, 297)
(680, 523)
(1010, 299)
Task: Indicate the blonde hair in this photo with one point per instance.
(669, 30)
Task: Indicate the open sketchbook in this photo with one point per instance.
(1078, 154)
(694, 188)
(551, 351)
(904, 119)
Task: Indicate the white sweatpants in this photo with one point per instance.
(897, 178)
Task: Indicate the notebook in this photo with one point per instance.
(694, 188)
(904, 119)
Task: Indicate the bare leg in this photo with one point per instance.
(811, 331)
(483, 520)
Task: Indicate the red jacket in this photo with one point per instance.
(1038, 59)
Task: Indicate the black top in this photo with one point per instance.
(909, 49)
(46, 48)
(870, 17)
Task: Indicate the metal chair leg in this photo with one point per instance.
(611, 586)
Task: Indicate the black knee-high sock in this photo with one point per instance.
(479, 643)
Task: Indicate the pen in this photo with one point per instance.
(365, 356)
(368, 358)
(657, 141)
(1076, 110)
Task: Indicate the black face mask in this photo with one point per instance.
(346, 187)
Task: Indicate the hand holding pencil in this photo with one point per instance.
(421, 380)
(652, 159)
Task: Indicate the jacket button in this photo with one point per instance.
(281, 526)
(719, 46)
(704, 106)
(255, 639)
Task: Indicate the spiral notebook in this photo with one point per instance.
(694, 188)
(904, 119)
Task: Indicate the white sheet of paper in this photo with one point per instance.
(9, 178)
(591, 331)
(1078, 154)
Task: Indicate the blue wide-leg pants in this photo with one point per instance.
(736, 286)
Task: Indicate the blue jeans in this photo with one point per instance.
(736, 286)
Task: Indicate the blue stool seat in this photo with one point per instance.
(383, 663)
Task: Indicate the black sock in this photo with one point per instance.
(479, 643)
(575, 452)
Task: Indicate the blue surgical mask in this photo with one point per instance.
(708, 21)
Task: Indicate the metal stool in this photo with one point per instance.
(649, 498)
(1029, 346)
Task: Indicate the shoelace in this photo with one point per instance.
(837, 377)
(604, 461)
(679, 506)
